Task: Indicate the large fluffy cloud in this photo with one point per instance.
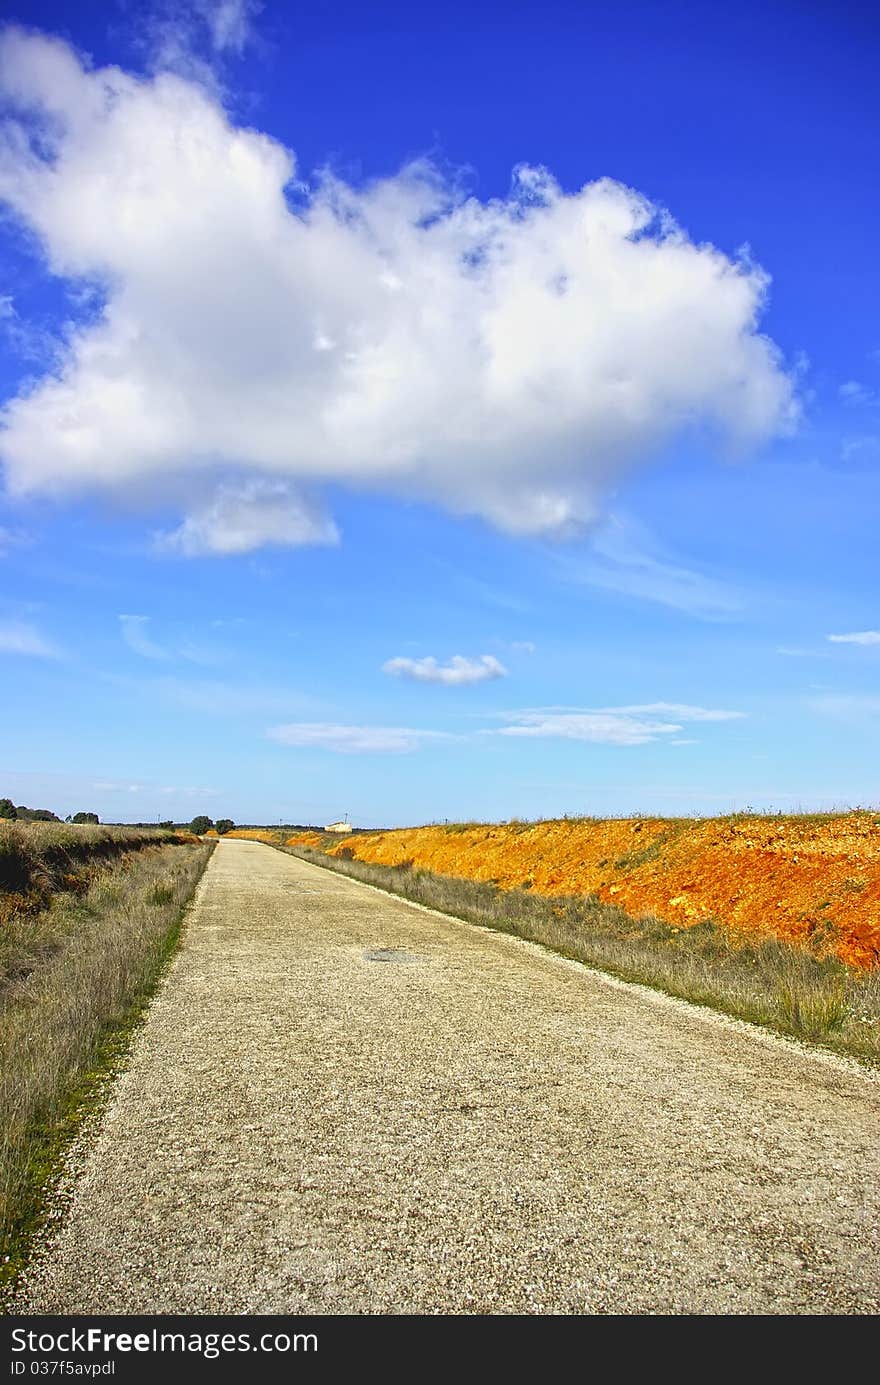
(504, 358)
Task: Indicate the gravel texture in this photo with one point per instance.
(344, 1103)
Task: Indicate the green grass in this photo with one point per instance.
(811, 996)
(67, 1014)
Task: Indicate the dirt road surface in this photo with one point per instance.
(342, 1103)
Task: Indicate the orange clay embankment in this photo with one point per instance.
(812, 880)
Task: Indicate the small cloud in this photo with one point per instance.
(639, 724)
(682, 740)
(18, 638)
(791, 651)
(853, 392)
(456, 673)
(134, 632)
(351, 740)
(522, 647)
(857, 637)
(239, 519)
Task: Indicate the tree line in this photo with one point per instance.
(19, 813)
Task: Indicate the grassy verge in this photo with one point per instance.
(767, 982)
(68, 1012)
(41, 860)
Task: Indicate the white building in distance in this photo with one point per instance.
(338, 827)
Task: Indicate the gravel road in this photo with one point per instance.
(343, 1103)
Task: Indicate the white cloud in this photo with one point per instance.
(242, 518)
(634, 725)
(134, 632)
(857, 637)
(523, 646)
(457, 672)
(351, 740)
(16, 637)
(508, 358)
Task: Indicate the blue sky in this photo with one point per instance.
(468, 413)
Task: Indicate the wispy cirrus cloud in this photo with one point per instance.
(352, 740)
(638, 724)
(624, 557)
(134, 633)
(19, 637)
(797, 651)
(457, 673)
(865, 637)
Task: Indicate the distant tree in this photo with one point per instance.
(7, 809)
(224, 825)
(200, 825)
(167, 825)
(35, 814)
(86, 817)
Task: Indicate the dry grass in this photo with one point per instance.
(79, 969)
(766, 981)
(40, 860)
